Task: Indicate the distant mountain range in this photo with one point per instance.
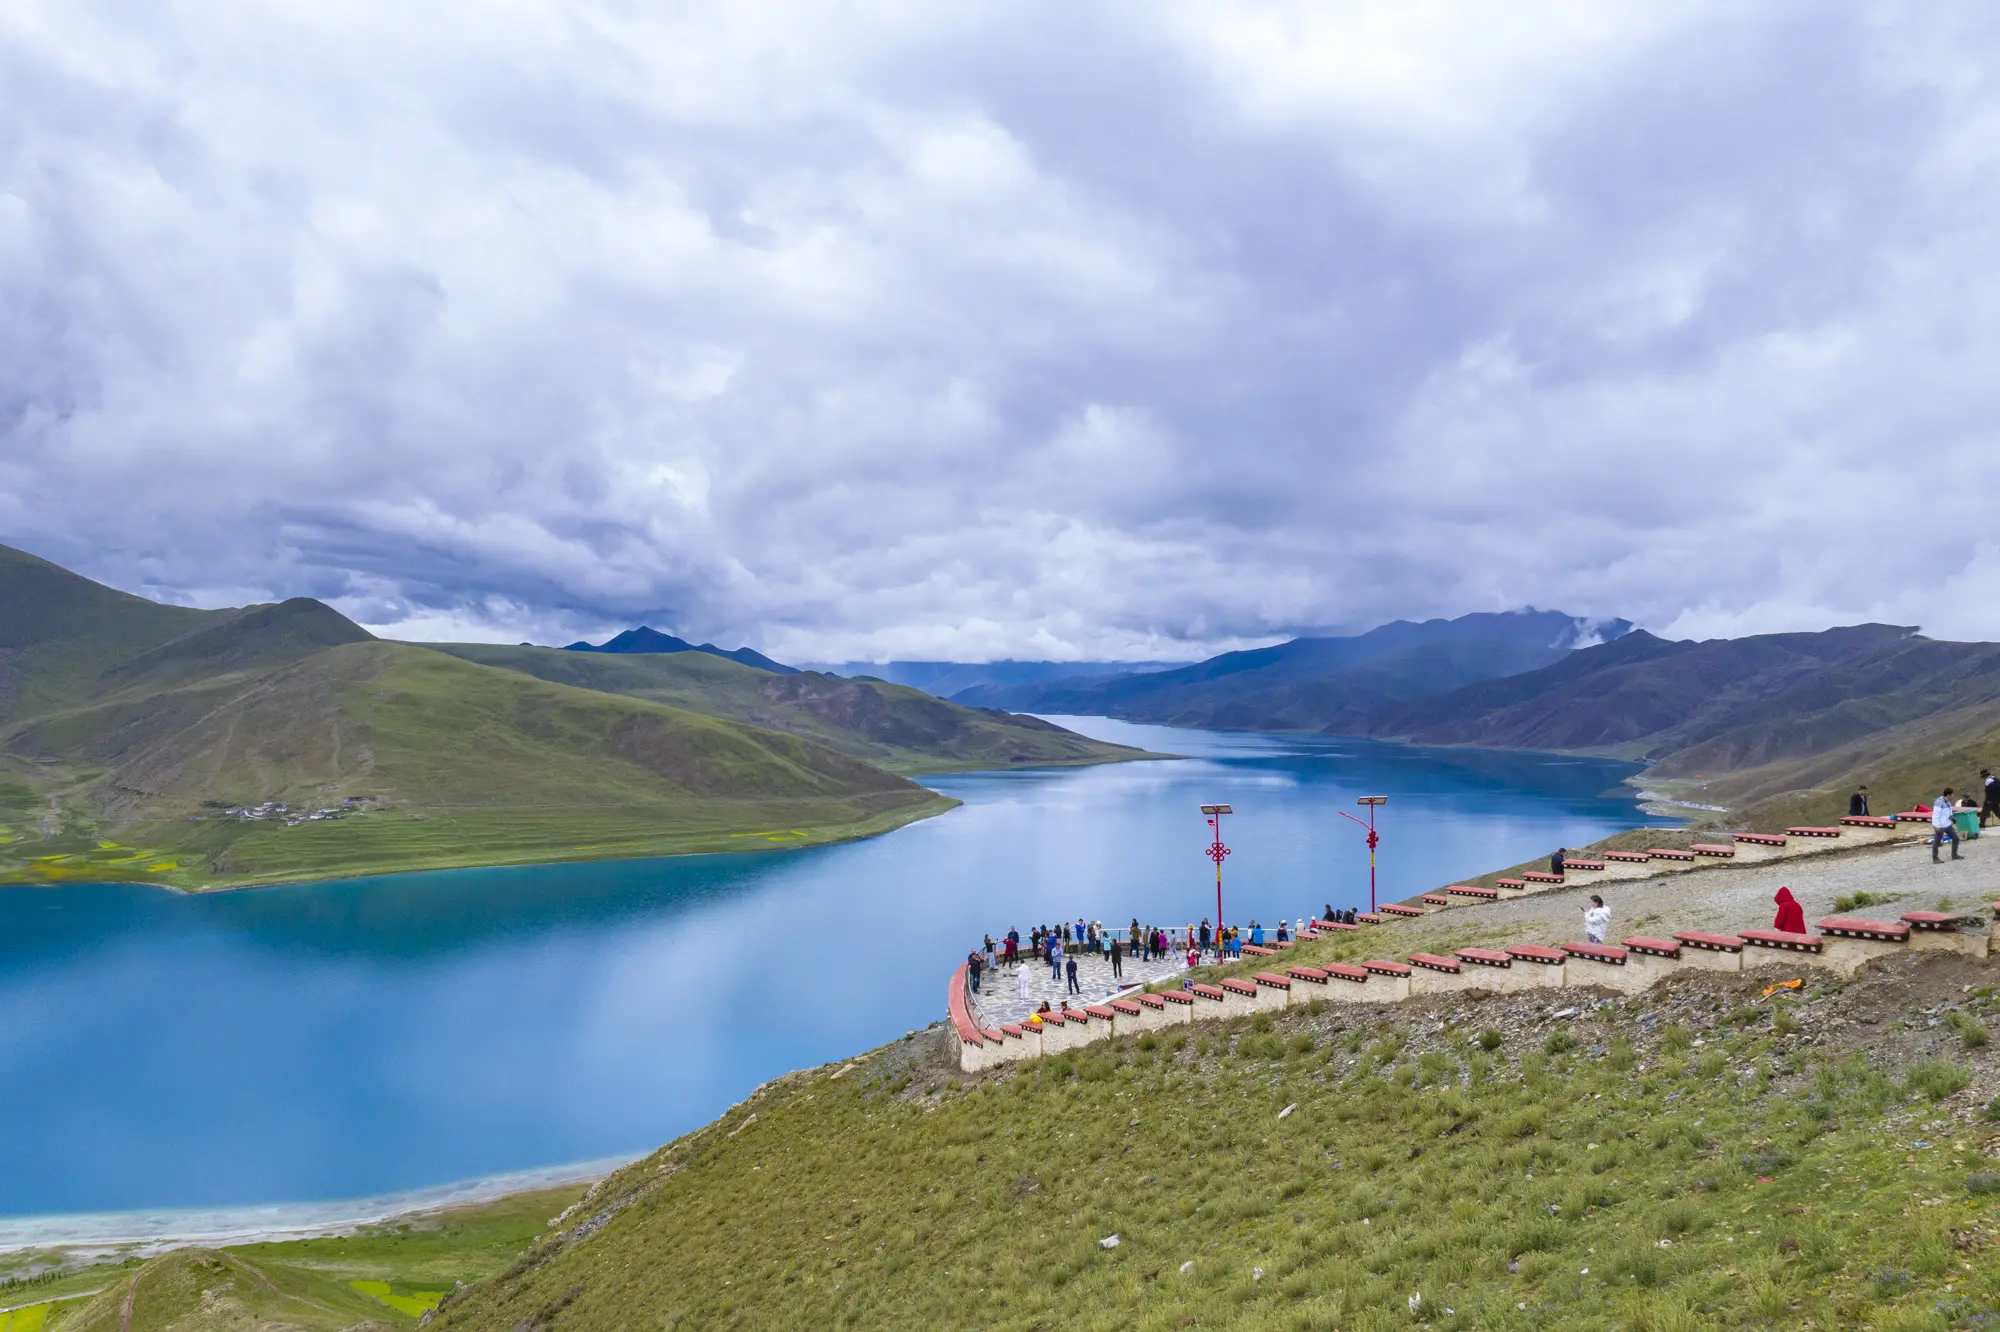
(949, 679)
(646, 641)
(1318, 684)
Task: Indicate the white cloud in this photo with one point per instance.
(933, 330)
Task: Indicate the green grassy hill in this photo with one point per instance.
(1694, 1157)
(132, 728)
(901, 729)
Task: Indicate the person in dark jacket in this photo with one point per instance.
(974, 964)
(1074, 988)
(1991, 786)
(1556, 861)
(1117, 959)
(1857, 804)
(1791, 916)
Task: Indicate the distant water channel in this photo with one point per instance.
(361, 1037)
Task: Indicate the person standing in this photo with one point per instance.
(1055, 958)
(1941, 827)
(1074, 988)
(1857, 804)
(1203, 945)
(1557, 861)
(1791, 916)
(974, 964)
(1021, 983)
(1596, 920)
(1117, 960)
(1991, 785)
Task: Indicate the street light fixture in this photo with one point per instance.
(1371, 802)
(1217, 852)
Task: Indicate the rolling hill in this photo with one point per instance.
(156, 743)
(899, 728)
(1318, 684)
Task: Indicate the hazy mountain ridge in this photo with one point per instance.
(646, 640)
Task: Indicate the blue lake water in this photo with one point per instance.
(358, 1037)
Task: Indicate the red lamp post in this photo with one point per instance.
(1373, 839)
(1217, 852)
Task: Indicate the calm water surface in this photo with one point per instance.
(359, 1037)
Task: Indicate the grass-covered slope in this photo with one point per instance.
(132, 728)
(1693, 1157)
(892, 726)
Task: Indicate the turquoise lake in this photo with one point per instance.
(358, 1037)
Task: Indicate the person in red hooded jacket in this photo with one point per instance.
(1791, 916)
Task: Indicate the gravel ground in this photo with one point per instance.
(1725, 897)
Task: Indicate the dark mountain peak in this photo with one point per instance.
(647, 640)
(254, 636)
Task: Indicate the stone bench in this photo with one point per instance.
(1848, 941)
(1647, 945)
(1553, 957)
(1710, 952)
(1494, 969)
(1542, 877)
(1648, 958)
(1812, 832)
(1398, 909)
(1238, 995)
(1582, 866)
(1485, 957)
(1273, 990)
(1609, 967)
(1367, 918)
(1434, 974)
(1610, 954)
(1869, 828)
(1312, 975)
(1258, 950)
(1203, 990)
(1627, 857)
(1668, 853)
(1628, 864)
(1867, 821)
(1770, 841)
(1435, 899)
(1922, 816)
(1772, 948)
(1326, 925)
(1943, 932)
(1472, 890)
(1713, 849)
(1432, 962)
(1346, 971)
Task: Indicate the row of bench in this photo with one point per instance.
(1842, 944)
(1857, 830)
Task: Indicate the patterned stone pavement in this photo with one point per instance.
(1000, 1001)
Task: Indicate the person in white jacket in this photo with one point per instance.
(1941, 827)
(1596, 920)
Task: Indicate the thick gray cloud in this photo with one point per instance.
(958, 331)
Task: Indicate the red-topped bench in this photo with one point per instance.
(1100, 1011)
(1313, 974)
(1435, 899)
(1597, 952)
(1127, 1007)
(1346, 971)
(1712, 849)
(1337, 925)
(1258, 950)
(1175, 997)
(1208, 991)
(1781, 939)
(1283, 943)
(1052, 1018)
(1812, 832)
(1866, 821)
(1583, 866)
(1485, 957)
(1014, 1029)
(1849, 927)
(1518, 885)
(1667, 853)
(1265, 978)
(1628, 857)
(1237, 986)
(1398, 909)
(1381, 966)
(1367, 918)
(1541, 876)
(1761, 839)
(1713, 943)
(1647, 944)
(1934, 920)
(1913, 816)
(1473, 890)
(1536, 953)
(1432, 962)
(1155, 1001)
(995, 1035)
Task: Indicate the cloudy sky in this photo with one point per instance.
(960, 330)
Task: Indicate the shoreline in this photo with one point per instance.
(144, 1232)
